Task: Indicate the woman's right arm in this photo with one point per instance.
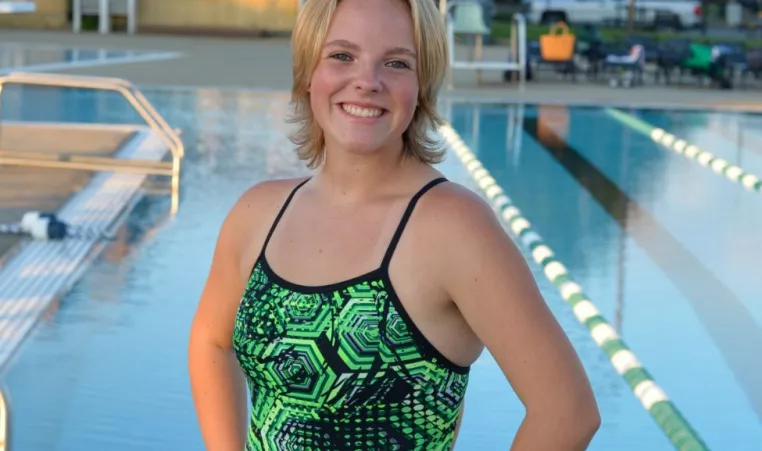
(217, 383)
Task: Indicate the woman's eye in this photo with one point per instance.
(399, 65)
(341, 56)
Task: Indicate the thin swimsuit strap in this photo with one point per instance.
(405, 218)
(397, 233)
(281, 212)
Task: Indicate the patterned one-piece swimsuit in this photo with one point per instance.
(342, 366)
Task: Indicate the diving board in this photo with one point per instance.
(17, 7)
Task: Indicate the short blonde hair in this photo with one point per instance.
(307, 41)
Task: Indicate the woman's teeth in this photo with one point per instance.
(360, 111)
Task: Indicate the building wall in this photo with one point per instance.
(188, 16)
(223, 16)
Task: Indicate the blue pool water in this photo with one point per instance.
(107, 369)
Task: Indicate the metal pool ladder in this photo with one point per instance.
(4, 422)
(517, 57)
(90, 163)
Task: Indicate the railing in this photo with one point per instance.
(141, 105)
(4, 422)
(518, 53)
(519, 46)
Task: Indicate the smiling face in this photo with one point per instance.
(364, 90)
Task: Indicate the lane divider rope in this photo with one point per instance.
(719, 165)
(651, 396)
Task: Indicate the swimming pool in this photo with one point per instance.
(661, 244)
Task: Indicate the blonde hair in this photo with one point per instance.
(307, 41)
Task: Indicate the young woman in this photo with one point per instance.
(352, 303)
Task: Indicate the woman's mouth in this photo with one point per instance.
(359, 111)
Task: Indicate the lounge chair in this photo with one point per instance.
(628, 69)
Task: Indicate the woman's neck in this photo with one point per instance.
(350, 178)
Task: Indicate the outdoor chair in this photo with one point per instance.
(628, 69)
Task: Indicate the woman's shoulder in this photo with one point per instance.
(453, 206)
(267, 193)
(257, 206)
(459, 224)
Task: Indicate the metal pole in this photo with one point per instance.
(522, 50)
(132, 16)
(76, 20)
(104, 25)
(5, 420)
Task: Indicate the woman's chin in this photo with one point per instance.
(361, 147)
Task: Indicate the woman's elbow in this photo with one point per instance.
(578, 420)
(593, 422)
(586, 418)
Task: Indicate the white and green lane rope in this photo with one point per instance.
(720, 166)
(651, 396)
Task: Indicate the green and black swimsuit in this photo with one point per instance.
(342, 366)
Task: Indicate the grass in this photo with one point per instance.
(501, 32)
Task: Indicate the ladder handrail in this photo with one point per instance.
(143, 107)
(124, 87)
(5, 421)
(519, 27)
(518, 39)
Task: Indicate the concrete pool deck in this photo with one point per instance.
(265, 64)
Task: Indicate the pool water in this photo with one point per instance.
(663, 246)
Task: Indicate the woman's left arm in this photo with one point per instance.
(490, 282)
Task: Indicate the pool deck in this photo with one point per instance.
(264, 64)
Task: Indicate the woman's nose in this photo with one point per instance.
(367, 77)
